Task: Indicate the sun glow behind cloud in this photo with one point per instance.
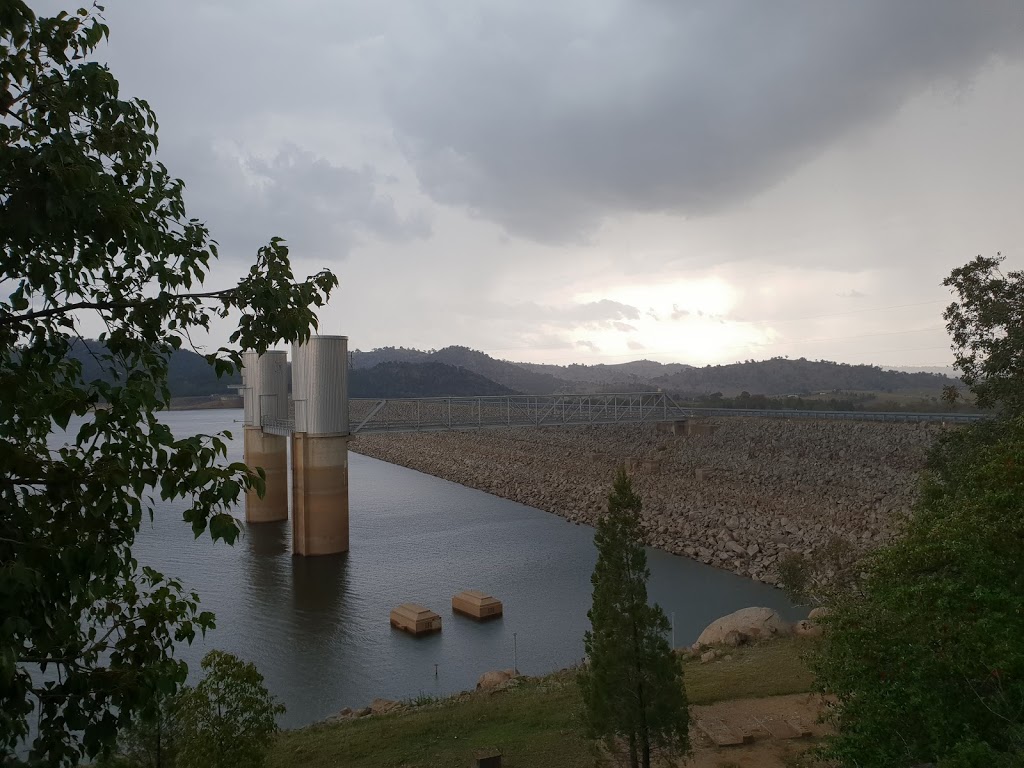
(681, 320)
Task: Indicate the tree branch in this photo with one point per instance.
(9, 320)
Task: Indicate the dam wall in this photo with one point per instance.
(736, 493)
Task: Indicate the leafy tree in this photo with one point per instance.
(227, 720)
(951, 395)
(813, 578)
(796, 573)
(986, 324)
(925, 659)
(927, 663)
(633, 685)
(152, 740)
(94, 233)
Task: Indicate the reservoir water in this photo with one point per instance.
(318, 628)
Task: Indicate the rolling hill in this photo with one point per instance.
(509, 375)
(430, 379)
(779, 376)
(188, 375)
(401, 372)
(609, 377)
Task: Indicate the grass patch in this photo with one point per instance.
(766, 669)
(531, 724)
(535, 725)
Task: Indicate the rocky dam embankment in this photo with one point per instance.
(736, 493)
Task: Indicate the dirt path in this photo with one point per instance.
(769, 726)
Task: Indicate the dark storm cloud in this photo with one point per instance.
(322, 208)
(547, 117)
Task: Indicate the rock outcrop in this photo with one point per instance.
(383, 706)
(751, 623)
(494, 680)
(739, 494)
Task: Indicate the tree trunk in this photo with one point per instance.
(646, 752)
(634, 759)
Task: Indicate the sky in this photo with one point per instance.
(600, 180)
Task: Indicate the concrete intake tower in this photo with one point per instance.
(319, 441)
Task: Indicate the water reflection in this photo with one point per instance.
(267, 538)
(319, 589)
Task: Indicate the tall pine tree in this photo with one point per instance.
(632, 688)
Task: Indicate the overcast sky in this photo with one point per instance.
(601, 180)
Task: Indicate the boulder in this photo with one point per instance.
(345, 714)
(755, 623)
(511, 683)
(819, 612)
(491, 680)
(363, 712)
(708, 656)
(734, 639)
(383, 706)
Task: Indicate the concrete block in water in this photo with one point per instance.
(476, 605)
(415, 619)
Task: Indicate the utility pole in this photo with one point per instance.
(515, 655)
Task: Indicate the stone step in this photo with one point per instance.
(720, 733)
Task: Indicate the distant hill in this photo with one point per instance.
(188, 374)
(430, 379)
(945, 370)
(360, 359)
(631, 375)
(460, 371)
(779, 376)
(510, 375)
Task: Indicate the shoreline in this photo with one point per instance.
(205, 403)
(737, 493)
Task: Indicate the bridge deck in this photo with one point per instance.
(434, 414)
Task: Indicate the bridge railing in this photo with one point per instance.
(956, 418)
(445, 413)
(433, 414)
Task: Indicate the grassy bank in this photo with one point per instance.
(535, 724)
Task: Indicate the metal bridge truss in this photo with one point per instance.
(435, 414)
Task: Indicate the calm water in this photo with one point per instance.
(318, 628)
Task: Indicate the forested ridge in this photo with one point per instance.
(401, 372)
